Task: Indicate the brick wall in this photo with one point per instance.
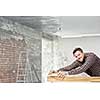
(12, 60)
(10, 29)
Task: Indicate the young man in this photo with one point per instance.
(85, 62)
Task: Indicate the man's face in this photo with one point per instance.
(79, 56)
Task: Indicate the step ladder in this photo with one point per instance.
(20, 78)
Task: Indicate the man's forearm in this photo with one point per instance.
(67, 68)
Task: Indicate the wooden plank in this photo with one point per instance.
(71, 78)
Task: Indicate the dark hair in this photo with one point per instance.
(77, 49)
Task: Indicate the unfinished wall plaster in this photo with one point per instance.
(47, 57)
(52, 56)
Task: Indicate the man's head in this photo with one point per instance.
(78, 54)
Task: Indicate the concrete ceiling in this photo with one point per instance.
(64, 26)
(45, 24)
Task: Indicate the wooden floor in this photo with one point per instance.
(72, 78)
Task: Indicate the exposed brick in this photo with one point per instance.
(10, 62)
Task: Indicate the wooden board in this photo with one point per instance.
(72, 78)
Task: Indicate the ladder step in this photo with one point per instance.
(20, 81)
(20, 75)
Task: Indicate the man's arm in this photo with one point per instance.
(68, 68)
(90, 60)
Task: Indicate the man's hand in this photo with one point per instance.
(61, 74)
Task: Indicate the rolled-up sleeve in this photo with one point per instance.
(90, 60)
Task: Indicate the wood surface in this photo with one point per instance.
(53, 77)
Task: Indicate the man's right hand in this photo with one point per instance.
(61, 74)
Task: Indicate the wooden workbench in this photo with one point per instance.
(72, 78)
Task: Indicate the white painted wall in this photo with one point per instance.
(89, 44)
